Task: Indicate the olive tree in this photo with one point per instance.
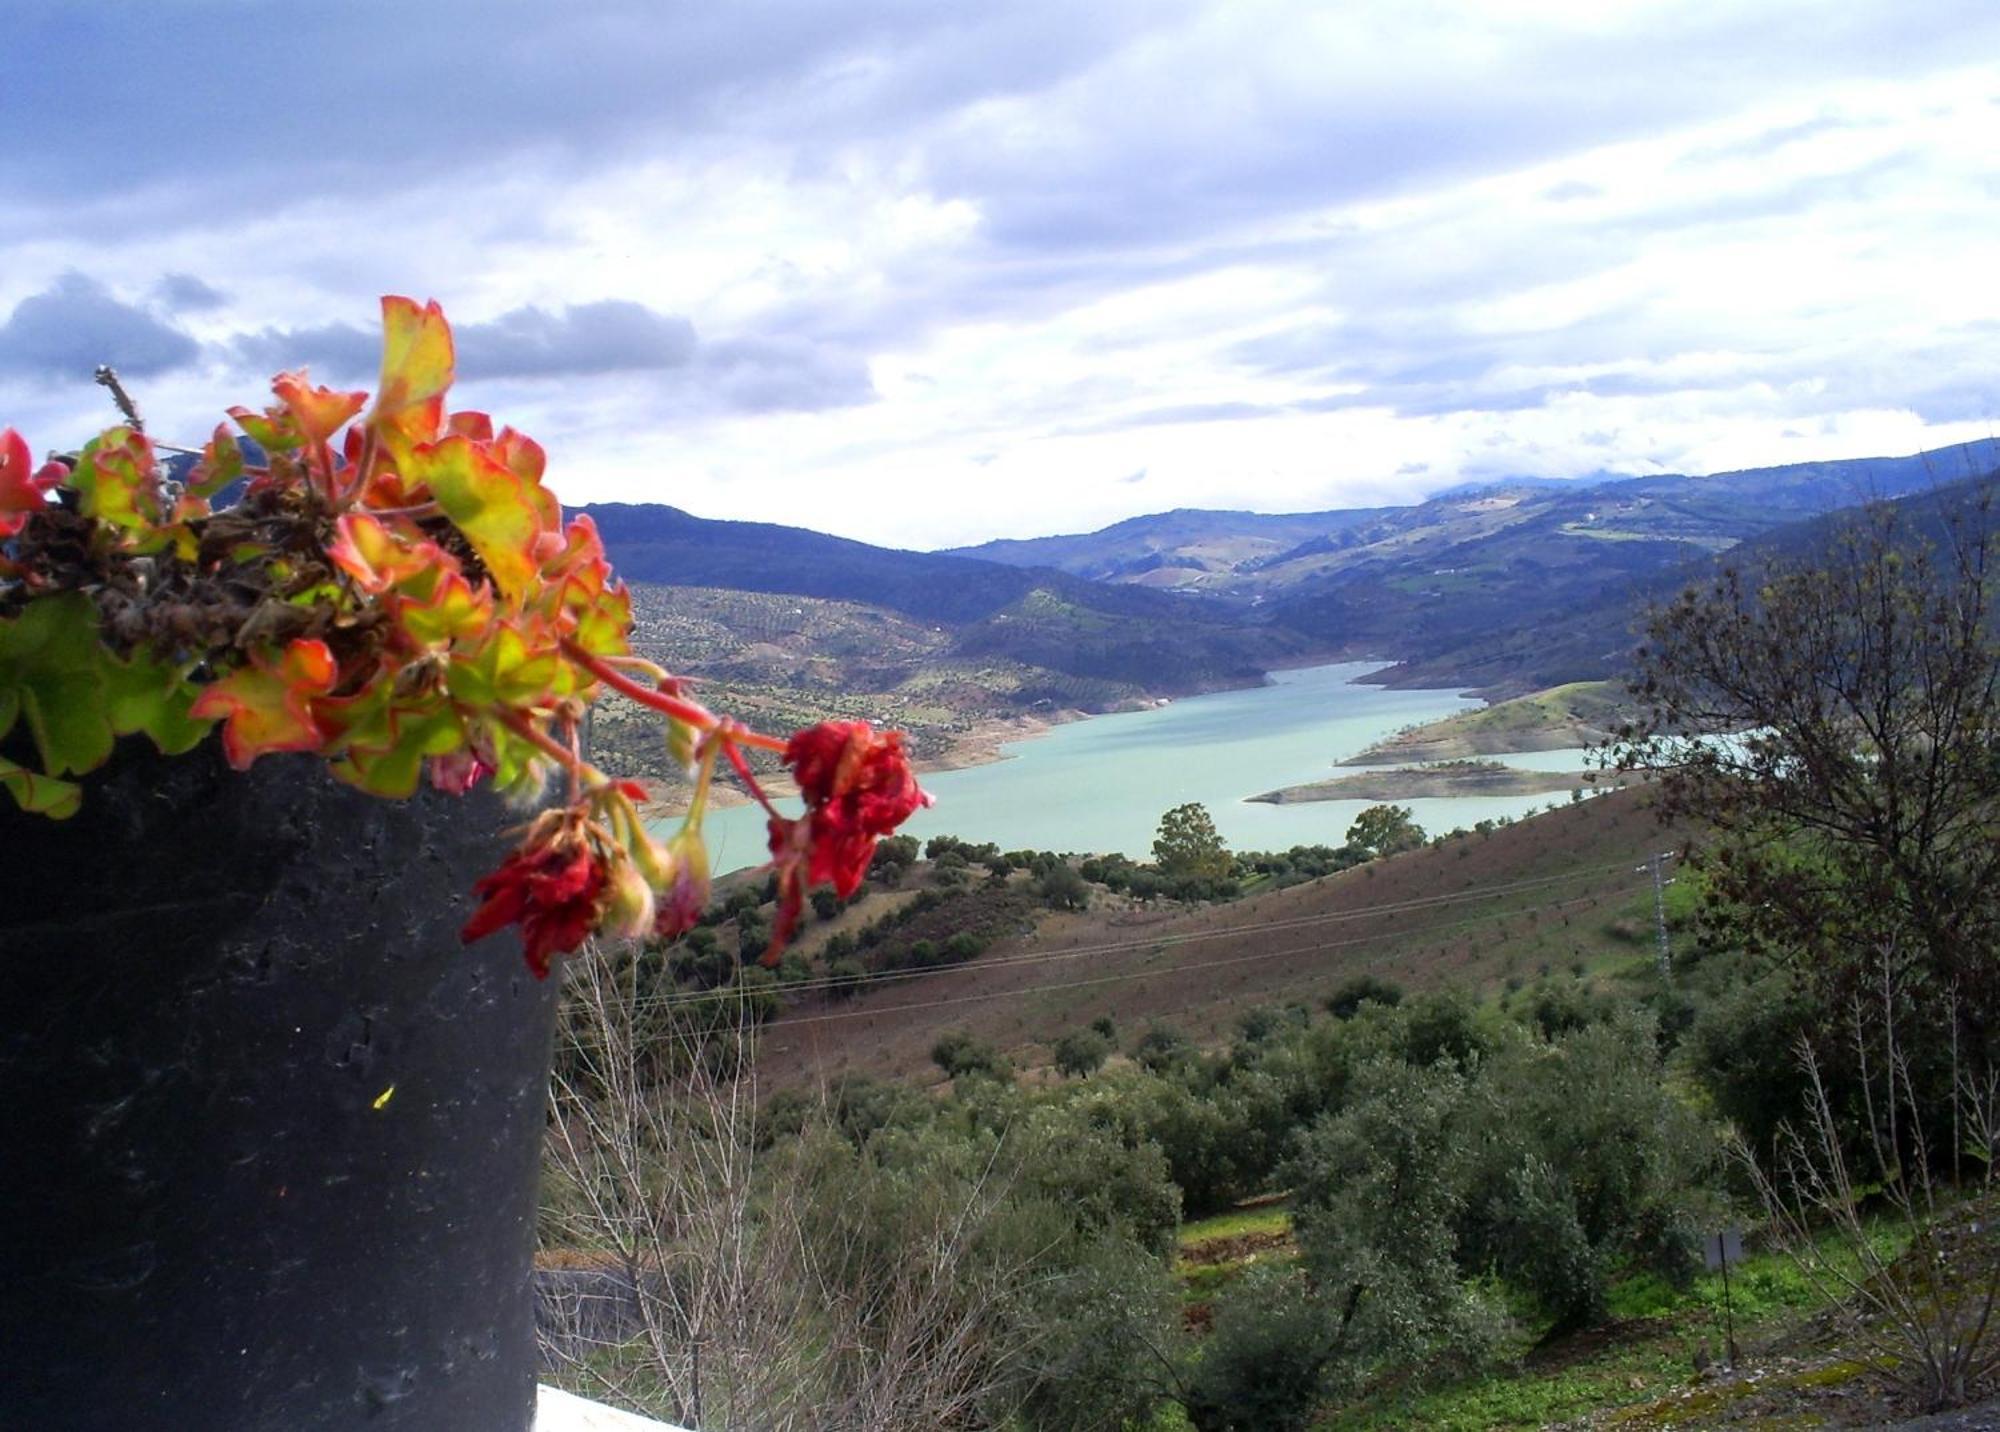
(1189, 845)
(1385, 830)
(1834, 718)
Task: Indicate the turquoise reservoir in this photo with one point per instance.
(1101, 784)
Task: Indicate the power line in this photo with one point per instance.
(1164, 941)
(793, 1021)
(1319, 949)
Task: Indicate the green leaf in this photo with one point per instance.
(273, 430)
(144, 695)
(39, 794)
(221, 464)
(503, 671)
(52, 664)
(384, 743)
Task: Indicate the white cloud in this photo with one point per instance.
(917, 277)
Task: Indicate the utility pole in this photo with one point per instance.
(1657, 863)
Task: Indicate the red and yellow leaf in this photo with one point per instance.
(490, 504)
(319, 412)
(468, 424)
(417, 355)
(115, 481)
(597, 608)
(377, 557)
(417, 363)
(266, 706)
(523, 456)
(221, 464)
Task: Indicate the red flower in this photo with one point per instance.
(686, 893)
(553, 892)
(21, 490)
(790, 853)
(858, 787)
(459, 772)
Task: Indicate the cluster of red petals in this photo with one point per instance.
(459, 772)
(554, 892)
(858, 787)
(23, 488)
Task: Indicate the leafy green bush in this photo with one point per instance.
(1081, 1052)
(1346, 1001)
(1557, 1006)
(1443, 1025)
(1264, 1022)
(1197, 1134)
(1061, 888)
(1106, 1181)
(1582, 1160)
(1103, 1320)
(1267, 1362)
(1188, 846)
(844, 978)
(1378, 1189)
(960, 1055)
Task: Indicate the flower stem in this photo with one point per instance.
(577, 768)
(746, 775)
(689, 712)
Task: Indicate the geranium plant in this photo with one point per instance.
(394, 590)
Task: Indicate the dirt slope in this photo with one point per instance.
(1560, 888)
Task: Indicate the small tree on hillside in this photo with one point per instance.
(959, 1053)
(1189, 845)
(1385, 830)
(1061, 888)
(1080, 1052)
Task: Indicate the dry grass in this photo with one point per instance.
(1468, 913)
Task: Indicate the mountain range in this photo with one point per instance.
(1041, 618)
(1506, 587)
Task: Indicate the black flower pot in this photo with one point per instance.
(268, 1132)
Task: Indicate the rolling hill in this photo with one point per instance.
(1506, 589)
(1566, 887)
(1185, 548)
(1509, 587)
(1585, 631)
(1037, 617)
(1252, 555)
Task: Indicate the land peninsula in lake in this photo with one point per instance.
(1582, 713)
(1443, 779)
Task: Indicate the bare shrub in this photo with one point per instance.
(1920, 1309)
(771, 1285)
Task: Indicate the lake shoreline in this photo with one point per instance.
(1468, 778)
(1100, 786)
(982, 743)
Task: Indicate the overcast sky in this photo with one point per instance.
(926, 273)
